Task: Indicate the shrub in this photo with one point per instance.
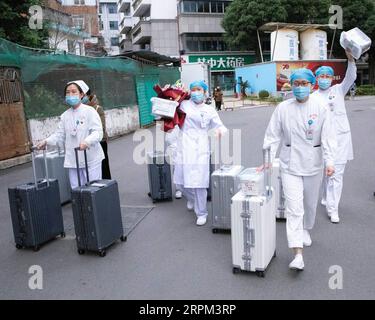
(366, 90)
(263, 94)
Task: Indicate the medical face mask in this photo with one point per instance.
(72, 100)
(301, 93)
(324, 83)
(197, 97)
(85, 100)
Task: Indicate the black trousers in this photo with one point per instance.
(106, 172)
(218, 105)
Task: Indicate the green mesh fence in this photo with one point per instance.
(45, 73)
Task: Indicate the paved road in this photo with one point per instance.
(168, 257)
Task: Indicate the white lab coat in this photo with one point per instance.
(171, 139)
(334, 99)
(299, 155)
(79, 125)
(193, 151)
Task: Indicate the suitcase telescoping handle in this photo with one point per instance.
(33, 149)
(86, 166)
(267, 172)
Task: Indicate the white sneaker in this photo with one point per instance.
(201, 221)
(178, 194)
(297, 263)
(335, 218)
(306, 238)
(324, 202)
(190, 206)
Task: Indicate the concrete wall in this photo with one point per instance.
(203, 23)
(164, 37)
(119, 121)
(168, 9)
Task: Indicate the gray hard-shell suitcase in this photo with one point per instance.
(55, 164)
(36, 211)
(225, 184)
(159, 177)
(96, 213)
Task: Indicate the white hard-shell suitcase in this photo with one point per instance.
(253, 230)
(225, 184)
(278, 190)
(55, 163)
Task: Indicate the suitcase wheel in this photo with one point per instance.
(215, 230)
(274, 255)
(36, 248)
(18, 246)
(149, 194)
(102, 253)
(260, 274)
(62, 234)
(123, 238)
(236, 270)
(81, 251)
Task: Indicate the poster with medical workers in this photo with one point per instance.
(285, 69)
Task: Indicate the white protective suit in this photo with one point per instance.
(192, 171)
(334, 99)
(78, 125)
(305, 149)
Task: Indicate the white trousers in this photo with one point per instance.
(301, 199)
(332, 189)
(197, 196)
(95, 173)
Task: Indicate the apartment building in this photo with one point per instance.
(84, 15)
(63, 34)
(149, 25)
(109, 25)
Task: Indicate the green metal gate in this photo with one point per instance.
(145, 92)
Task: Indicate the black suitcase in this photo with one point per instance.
(159, 177)
(36, 211)
(96, 214)
(212, 169)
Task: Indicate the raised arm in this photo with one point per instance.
(350, 76)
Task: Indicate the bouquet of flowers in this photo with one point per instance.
(175, 93)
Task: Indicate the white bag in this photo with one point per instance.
(163, 107)
(355, 41)
(252, 182)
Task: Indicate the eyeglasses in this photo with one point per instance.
(325, 76)
(301, 83)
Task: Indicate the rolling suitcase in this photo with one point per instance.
(96, 213)
(253, 230)
(225, 185)
(55, 164)
(212, 169)
(36, 211)
(278, 190)
(159, 177)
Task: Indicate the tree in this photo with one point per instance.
(307, 11)
(14, 26)
(244, 17)
(361, 14)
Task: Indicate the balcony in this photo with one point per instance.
(124, 5)
(141, 8)
(142, 32)
(126, 25)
